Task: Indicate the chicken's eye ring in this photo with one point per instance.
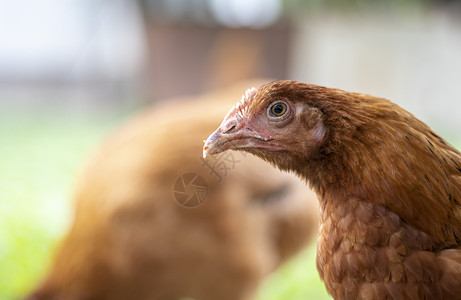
(277, 109)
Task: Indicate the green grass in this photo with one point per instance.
(39, 158)
(40, 155)
(295, 280)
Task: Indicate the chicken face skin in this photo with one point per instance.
(268, 126)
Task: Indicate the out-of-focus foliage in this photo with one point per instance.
(39, 159)
(296, 280)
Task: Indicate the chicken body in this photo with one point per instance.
(389, 187)
(132, 239)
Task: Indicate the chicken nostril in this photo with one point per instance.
(229, 128)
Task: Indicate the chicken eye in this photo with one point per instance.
(278, 109)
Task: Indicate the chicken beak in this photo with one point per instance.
(214, 143)
(233, 134)
(227, 136)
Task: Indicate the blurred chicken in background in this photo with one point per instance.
(155, 221)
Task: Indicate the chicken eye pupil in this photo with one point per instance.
(278, 109)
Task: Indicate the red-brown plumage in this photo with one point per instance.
(389, 186)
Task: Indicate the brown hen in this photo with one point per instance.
(135, 236)
(389, 186)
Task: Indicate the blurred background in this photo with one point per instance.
(71, 71)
